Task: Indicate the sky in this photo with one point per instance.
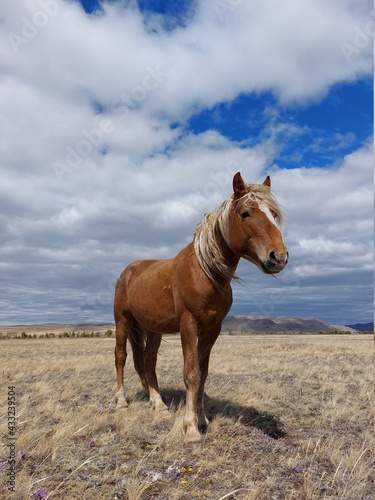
(123, 122)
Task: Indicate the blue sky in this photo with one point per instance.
(127, 108)
(337, 124)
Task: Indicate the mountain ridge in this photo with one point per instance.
(233, 323)
(363, 327)
(278, 324)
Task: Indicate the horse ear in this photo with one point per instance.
(239, 187)
(267, 181)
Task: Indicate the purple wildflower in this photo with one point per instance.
(39, 495)
(92, 443)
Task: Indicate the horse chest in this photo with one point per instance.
(213, 313)
(210, 317)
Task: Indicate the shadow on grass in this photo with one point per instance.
(247, 415)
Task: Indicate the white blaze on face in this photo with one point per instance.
(265, 209)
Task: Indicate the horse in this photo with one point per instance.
(191, 294)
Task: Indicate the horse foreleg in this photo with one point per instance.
(205, 344)
(192, 377)
(120, 359)
(150, 356)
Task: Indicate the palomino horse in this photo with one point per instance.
(191, 294)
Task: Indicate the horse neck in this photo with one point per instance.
(231, 258)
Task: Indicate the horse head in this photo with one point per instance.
(254, 232)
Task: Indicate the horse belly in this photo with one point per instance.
(153, 307)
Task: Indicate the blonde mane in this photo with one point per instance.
(216, 223)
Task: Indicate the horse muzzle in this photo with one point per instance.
(275, 263)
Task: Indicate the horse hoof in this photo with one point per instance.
(121, 408)
(193, 446)
(193, 441)
(122, 405)
(159, 407)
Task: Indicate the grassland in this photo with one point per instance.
(291, 418)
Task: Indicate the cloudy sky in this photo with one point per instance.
(123, 122)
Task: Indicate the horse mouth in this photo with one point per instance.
(272, 268)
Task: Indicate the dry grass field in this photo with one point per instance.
(291, 418)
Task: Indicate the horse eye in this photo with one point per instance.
(244, 215)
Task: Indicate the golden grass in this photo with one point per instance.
(291, 418)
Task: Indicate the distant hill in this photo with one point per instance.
(278, 324)
(235, 324)
(363, 327)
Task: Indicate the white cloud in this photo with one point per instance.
(291, 48)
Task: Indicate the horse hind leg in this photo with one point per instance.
(153, 341)
(145, 346)
(122, 328)
(137, 337)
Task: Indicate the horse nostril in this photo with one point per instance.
(272, 256)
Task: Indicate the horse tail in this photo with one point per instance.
(137, 338)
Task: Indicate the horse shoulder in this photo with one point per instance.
(195, 292)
